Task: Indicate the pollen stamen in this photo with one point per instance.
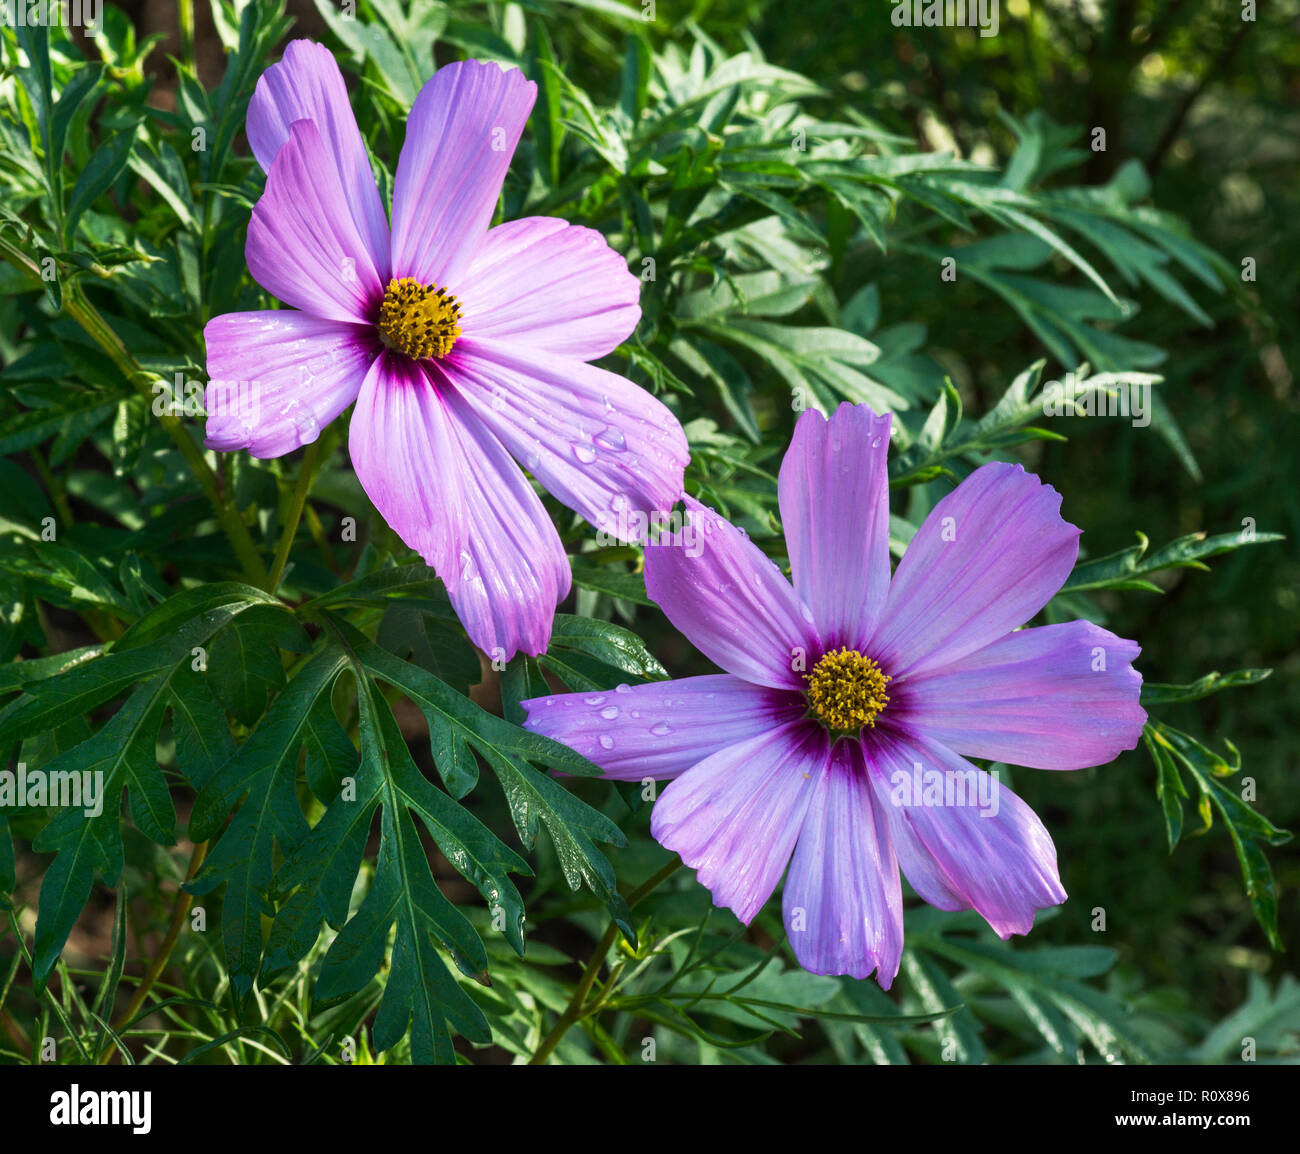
(419, 320)
(846, 690)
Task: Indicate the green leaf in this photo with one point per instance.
(608, 645)
(1154, 693)
(1246, 827)
(457, 726)
(155, 657)
(418, 992)
(611, 582)
(264, 775)
(107, 163)
(1128, 568)
(959, 1030)
(1270, 1019)
(1103, 1021)
(245, 663)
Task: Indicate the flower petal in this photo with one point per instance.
(834, 493)
(970, 843)
(662, 729)
(546, 284)
(732, 602)
(450, 490)
(303, 244)
(988, 557)
(735, 816)
(460, 137)
(592, 438)
(277, 377)
(1056, 697)
(843, 902)
(307, 85)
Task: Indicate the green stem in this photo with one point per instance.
(179, 912)
(305, 474)
(84, 313)
(185, 17)
(58, 495)
(577, 1009)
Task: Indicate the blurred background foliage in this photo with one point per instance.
(789, 180)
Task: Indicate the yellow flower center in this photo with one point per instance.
(419, 320)
(847, 690)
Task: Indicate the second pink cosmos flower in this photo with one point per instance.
(835, 742)
(464, 347)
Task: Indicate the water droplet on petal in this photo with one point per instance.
(304, 420)
(600, 700)
(612, 439)
(663, 729)
(623, 687)
(606, 742)
(609, 712)
(584, 453)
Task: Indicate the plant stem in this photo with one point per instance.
(306, 472)
(185, 18)
(16, 1032)
(85, 314)
(577, 1009)
(179, 913)
(58, 495)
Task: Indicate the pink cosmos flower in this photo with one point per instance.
(462, 346)
(836, 740)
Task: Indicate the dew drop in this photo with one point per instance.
(612, 439)
(623, 687)
(606, 742)
(584, 453)
(600, 700)
(609, 712)
(663, 729)
(304, 420)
